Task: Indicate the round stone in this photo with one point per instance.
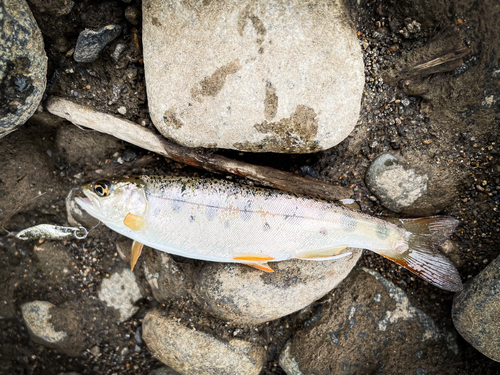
(245, 296)
(269, 76)
(23, 65)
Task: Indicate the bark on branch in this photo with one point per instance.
(144, 138)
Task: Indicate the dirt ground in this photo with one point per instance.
(447, 116)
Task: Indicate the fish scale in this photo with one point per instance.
(222, 221)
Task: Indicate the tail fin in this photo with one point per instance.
(422, 256)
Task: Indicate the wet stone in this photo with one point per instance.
(165, 370)
(476, 310)
(23, 65)
(416, 187)
(275, 76)
(55, 7)
(244, 295)
(120, 291)
(54, 327)
(367, 321)
(193, 352)
(90, 43)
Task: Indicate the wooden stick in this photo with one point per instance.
(142, 137)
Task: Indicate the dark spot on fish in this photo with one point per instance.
(348, 223)
(382, 231)
(211, 213)
(323, 231)
(177, 205)
(192, 219)
(246, 211)
(266, 227)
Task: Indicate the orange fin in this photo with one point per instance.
(135, 253)
(322, 254)
(260, 266)
(134, 222)
(253, 257)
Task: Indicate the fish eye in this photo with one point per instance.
(102, 188)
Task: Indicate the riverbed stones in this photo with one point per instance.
(90, 43)
(476, 311)
(413, 186)
(120, 291)
(265, 76)
(57, 328)
(189, 351)
(246, 296)
(23, 65)
(369, 327)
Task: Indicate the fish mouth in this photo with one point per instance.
(86, 204)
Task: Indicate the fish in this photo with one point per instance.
(223, 221)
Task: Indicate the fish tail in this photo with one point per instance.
(421, 255)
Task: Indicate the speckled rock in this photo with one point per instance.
(165, 276)
(280, 76)
(90, 43)
(120, 291)
(193, 352)
(55, 7)
(368, 320)
(23, 65)
(165, 370)
(57, 328)
(476, 311)
(246, 296)
(416, 188)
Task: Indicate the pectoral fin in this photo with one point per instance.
(135, 253)
(263, 266)
(322, 254)
(134, 222)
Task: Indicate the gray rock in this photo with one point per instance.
(57, 328)
(23, 65)
(165, 370)
(166, 278)
(366, 323)
(193, 352)
(280, 76)
(416, 188)
(476, 310)
(120, 291)
(90, 43)
(246, 296)
(287, 361)
(55, 7)
(133, 14)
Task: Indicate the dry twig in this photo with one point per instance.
(139, 136)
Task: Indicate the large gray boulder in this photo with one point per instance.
(280, 76)
(189, 351)
(369, 326)
(23, 65)
(476, 311)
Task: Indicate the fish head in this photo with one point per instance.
(110, 200)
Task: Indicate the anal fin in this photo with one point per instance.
(253, 257)
(135, 253)
(323, 254)
(333, 257)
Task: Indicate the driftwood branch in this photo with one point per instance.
(144, 138)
